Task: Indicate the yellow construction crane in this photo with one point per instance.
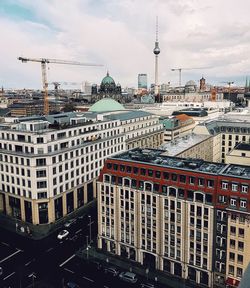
(180, 69)
(45, 61)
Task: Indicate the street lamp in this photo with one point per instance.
(90, 223)
(87, 249)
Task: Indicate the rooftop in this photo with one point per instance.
(243, 146)
(179, 145)
(105, 105)
(127, 115)
(157, 158)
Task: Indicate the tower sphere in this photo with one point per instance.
(157, 51)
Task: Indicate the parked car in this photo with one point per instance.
(70, 223)
(128, 277)
(111, 270)
(72, 285)
(147, 285)
(63, 234)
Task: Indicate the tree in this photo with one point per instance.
(69, 107)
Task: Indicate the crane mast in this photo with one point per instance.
(45, 61)
(180, 70)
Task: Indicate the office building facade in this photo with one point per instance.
(188, 218)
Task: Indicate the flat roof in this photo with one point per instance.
(179, 145)
(243, 146)
(156, 157)
(237, 171)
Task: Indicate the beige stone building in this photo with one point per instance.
(227, 133)
(239, 155)
(49, 164)
(175, 215)
(190, 146)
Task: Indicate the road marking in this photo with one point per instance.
(86, 278)
(106, 286)
(18, 251)
(6, 244)
(78, 231)
(66, 261)
(28, 263)
(51, 248)
(66, 269)
(9, 275)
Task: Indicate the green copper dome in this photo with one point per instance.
(106, 104)
(107, 80)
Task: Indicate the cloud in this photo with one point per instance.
(120, 34)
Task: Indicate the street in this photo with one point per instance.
(24, 260)
(53, 263)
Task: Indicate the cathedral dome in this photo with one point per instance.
(108, 80)
(106, 104)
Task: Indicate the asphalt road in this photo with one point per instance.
(20, 258)
(52, 263)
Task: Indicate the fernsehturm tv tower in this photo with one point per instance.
(156, 52)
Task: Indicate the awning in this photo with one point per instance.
(232, 282)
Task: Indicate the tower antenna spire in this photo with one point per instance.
(157, 29)
(156, 51)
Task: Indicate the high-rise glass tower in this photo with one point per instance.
(142, 81)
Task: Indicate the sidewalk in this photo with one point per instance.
(38, 232)
(125, 264)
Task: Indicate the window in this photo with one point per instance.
(240, 259)
(243, 204)
(244, 188)
(157, 174)
(41, 173)
(191, 180)
(224, 185)
(182, 179)
(222, 199)
(150, 173)
(233, 202)
(232, 230)
(241, 232)
(201, 181)
(174, 177)
(41, 162)
(41, 184)
(166, 175)
(231, 256)
(231, 269)
(241, 245)
(232, 243)
(239, 272)
(143, 171)
(210, 183)
(234, 187)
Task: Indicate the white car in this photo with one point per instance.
(128, 277)
(63, 234)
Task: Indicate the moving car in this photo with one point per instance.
(70, 223)
(111, 270)
(128, 277)
(63, 234)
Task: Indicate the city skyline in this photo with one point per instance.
(192, 34)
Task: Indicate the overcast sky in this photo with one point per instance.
(120, 34)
